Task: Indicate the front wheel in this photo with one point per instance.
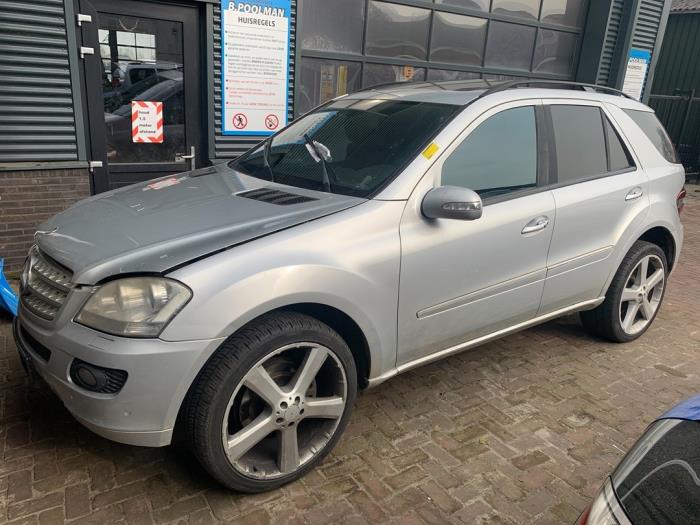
(272, 402)
(634, 296)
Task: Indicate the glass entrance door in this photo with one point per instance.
(143, 83)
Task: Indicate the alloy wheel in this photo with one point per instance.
(284, 411)
(642, 294)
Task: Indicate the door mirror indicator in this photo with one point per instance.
(452, 202)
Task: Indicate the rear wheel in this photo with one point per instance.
(634, 296)
(272, 402)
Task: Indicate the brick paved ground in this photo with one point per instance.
(520, 430)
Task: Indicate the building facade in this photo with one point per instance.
(71, 70)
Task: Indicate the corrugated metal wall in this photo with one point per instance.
(37, 122)
(612, 33)
(679, 69)
(228, 146)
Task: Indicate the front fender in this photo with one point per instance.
(349, 261)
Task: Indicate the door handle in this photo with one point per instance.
(192, 157)
(536, 224)
(634, 194)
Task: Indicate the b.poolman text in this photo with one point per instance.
(256, 9)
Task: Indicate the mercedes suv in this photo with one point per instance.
(246, 303)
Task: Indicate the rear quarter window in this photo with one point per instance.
(655, 131)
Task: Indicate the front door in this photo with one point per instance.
(464, 279)
(143, 88)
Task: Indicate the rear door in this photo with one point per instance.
(599, 191)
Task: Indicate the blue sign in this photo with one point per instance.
(254, 66)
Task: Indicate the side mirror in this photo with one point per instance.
(452, 202)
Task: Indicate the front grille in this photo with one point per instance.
(273, 196)
(45, 285)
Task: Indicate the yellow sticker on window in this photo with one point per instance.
(430, 150)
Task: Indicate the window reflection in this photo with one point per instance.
(322, 80)
(141, 61)
(565, 12)
(509, 45)
(519, 8)
(553, 52)
(384, 74)
(397, 30)
(458, 39)
(332, 25)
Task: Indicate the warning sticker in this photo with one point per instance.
(146, 122)
(430, 150)
(240, 121)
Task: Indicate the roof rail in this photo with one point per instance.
(585, 87)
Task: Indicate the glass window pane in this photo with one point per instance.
(126, 52)
(509, 45)
(579, 142)
(126, 38)
(103, 36)
(146, 54)
(554, 52)
(481, 5)
(322, 80)
(332, 25)
(145, 40)
(655, 131)
(384, 74)
(368, 142)
(477, 165)
(519, 8)
(458, 39)
(618, 157)
(397, 31)
(446, 74)
(565, 12)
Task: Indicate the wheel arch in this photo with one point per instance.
(663, 238)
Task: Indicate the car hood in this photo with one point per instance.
(157, 225)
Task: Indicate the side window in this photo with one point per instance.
(498, 157)
(618, 156)
(579, 142)
(655, 131)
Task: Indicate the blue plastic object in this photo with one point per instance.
(688, 409)
(8, 298)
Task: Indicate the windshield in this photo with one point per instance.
(351, 147)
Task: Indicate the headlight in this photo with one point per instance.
(135, 306)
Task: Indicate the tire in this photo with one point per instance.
(217, 408)
(608, 319)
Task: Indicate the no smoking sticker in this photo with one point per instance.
(240, 121)
(271, 121)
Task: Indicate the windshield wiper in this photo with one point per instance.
(266, 158)
(325, 168)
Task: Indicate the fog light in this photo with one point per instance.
(96, 378)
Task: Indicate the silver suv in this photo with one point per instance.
(246, 303)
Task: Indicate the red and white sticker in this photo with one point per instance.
(146, 122)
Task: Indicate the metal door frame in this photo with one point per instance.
(195, 92)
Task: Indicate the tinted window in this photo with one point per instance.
(364, 144)
(509, 45)
(397, 31)
(383, 74)
(656, 481)
(333, 25)
(579, 142)
(653, 129)
(618, 157)
(322, 80)
(521, 8)
(566, 12)
(554, 52)
(458, 39)
(499, 156)
(481, 5)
